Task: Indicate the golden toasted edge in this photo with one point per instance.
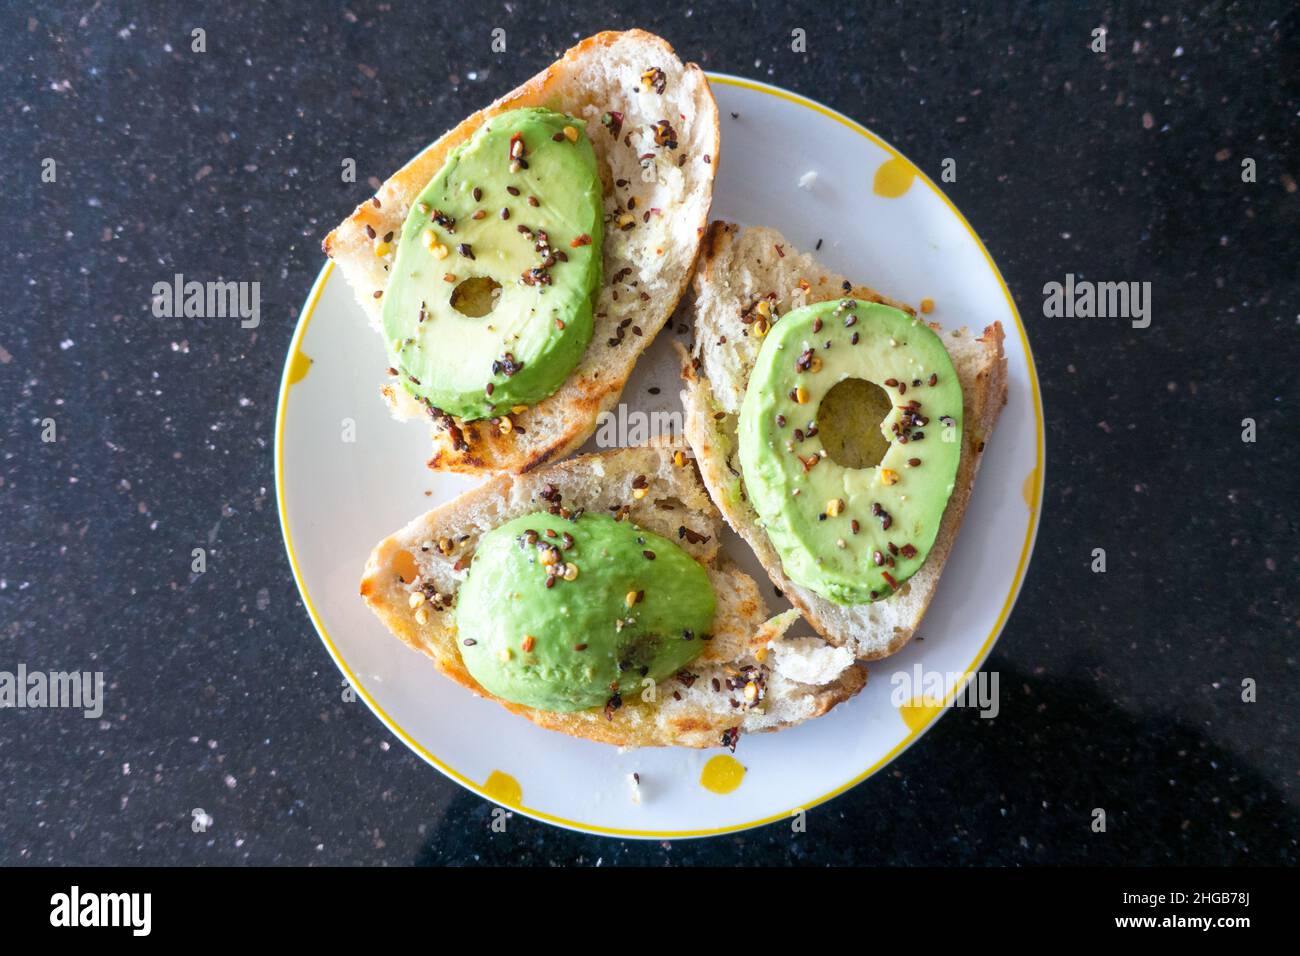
(488, 450)
(632, 725)
(986, 396)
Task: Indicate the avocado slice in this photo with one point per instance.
(564, 614)
(852, 513)
(490, 299)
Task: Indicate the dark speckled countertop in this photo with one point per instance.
(1124, 688)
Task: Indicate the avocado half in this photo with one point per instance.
(564, 614)
(499, 261)
(850, 437)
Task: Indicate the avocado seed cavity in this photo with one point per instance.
(476, 296)
(848, 423)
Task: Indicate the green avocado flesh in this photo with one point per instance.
(813, 482)
(481, 314)
(578, 643)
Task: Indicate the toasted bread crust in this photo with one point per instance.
(871, 631)
(559, 424)
(682, 714)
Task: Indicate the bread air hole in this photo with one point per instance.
(404, 565)
(476, 296)
(848, 423)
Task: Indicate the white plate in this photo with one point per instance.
(337, 499)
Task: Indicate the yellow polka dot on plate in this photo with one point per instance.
(504, 789)
(722, 774)
(919, 712)
(893, 178)
(299, 366)
(1029, 490)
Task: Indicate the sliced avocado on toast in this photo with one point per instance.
(490, 301)
(847, 528)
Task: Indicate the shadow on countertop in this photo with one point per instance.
(1172, 796)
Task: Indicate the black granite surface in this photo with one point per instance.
(1121, 690)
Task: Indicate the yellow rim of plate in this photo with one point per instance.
(310, 307)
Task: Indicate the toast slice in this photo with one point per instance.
(649, 253)
(736, 268)
(801, 678)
